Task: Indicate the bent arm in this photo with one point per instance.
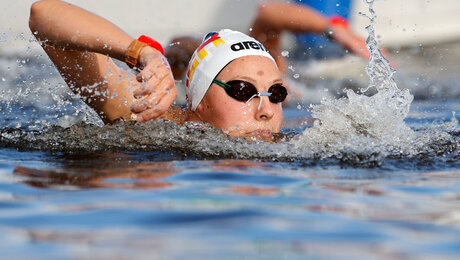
(79, 43)
(71, 28)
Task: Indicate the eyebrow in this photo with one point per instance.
(253, 80)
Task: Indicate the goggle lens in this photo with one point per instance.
(278, 93)
(244, 91)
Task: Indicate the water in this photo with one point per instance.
(373, 174)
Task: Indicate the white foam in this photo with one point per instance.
(365, 124)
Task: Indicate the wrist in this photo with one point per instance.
(146, 55)
(139, 52)
(337, 20)
(334, 22)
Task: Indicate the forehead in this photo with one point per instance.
(251, 66)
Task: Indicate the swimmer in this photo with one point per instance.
(271, 21)
(232, 82)
(274, 18)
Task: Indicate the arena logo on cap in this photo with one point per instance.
(246, 45)
(202, 53)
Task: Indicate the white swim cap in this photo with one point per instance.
(216, 51)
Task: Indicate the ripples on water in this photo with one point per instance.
(375, 176)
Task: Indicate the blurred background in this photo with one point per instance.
(399, 23)
(151, 194)
(422, 37)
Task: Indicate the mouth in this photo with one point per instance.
(261, 133)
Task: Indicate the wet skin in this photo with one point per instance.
(237, 118)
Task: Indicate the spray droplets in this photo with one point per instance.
(360, 124)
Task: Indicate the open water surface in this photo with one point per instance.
(372, 175)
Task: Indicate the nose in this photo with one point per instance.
(265, 109)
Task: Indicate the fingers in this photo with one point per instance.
(157, 102)
(356, 44)
(350, 41)
(158, 110)
(152, 74)
(142, 105)
(142, 91)
(148, 87)
(156, 91)
(152, 100)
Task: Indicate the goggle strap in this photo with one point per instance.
(260, 95)
(253, 96)
(222, 84)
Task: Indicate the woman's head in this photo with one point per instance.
(235, 85)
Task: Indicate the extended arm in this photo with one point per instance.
(79, 43)
(273, 18)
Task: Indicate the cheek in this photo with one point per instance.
(234, 114)
(278, 117)
(223, 113)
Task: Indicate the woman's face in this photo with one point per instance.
(239, 118)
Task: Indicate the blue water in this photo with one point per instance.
(161, 204)
(72, 189)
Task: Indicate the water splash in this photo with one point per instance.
(360, 129)
(379, 70)
(367, 125)
(191, 138)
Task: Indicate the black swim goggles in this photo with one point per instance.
(245, 91)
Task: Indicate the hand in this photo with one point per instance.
(350, 41)
(354, 43)
(157, 91)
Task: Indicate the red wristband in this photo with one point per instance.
(337, 20)
(152, 43)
